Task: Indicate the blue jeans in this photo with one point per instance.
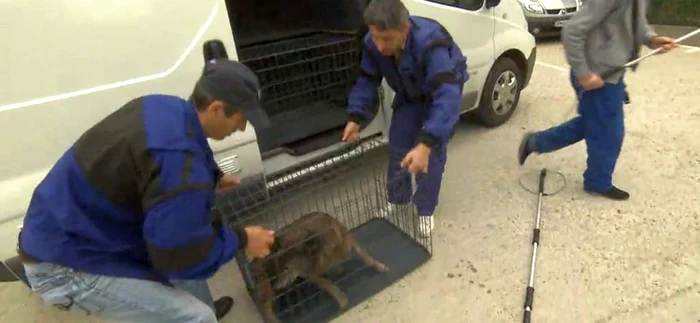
(121, 299)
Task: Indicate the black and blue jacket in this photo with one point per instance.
(431, 73)
(132, 198)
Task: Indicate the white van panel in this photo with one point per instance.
(68, 64)
(511, 29)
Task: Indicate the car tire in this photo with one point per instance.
(501, 93)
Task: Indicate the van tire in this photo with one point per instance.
(492, 114)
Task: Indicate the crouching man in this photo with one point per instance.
(120, 228)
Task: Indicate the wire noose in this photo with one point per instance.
(520, 181)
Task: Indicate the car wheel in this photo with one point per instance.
(501, 93)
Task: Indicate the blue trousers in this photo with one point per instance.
(406, 123)
(601, 123)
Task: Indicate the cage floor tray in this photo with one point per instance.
(304, 302)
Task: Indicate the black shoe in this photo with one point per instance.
(614, 194)
(222, 306)
(524, 149)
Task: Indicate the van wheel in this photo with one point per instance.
(501, 93)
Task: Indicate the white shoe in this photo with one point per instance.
(426, 224)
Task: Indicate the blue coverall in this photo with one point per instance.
(428, 82)
(601, 123)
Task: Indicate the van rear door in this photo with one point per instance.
(70, 64)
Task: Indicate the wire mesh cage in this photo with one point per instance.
(337, 241)
(307, 77)
(313, 68)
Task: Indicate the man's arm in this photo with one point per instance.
(364, 93)
(648, 32)
(181, 241)
(446, 93)
(576, 30)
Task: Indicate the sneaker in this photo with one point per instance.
(426, 224)
(614, 194)
(524, 150)
(222, 306)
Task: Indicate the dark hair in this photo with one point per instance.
(201, 99)
(386, 14)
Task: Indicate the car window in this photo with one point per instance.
(471, 5)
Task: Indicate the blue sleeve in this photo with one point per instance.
(178, 232)
(445, 87)
(364, 93)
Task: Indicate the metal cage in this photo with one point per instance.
(306, 79)
(351, 186)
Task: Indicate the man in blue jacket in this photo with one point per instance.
(602, 35)
(427, 71)
(121, 228)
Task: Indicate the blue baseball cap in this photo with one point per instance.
(236, 85)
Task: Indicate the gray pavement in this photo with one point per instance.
(599, 261)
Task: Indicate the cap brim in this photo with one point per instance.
(256, 115)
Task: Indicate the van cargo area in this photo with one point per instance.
(306, 55)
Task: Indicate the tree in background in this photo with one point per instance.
(675, 12)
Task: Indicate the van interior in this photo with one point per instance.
(306, 55)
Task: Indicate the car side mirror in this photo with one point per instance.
(492, 3)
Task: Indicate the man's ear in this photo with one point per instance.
(216, 107)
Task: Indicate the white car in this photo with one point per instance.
(68, 64)
(546, 18)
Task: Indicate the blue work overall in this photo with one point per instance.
(601, 123)
(428, 81)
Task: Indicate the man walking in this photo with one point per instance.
(427, 71)
(121, 228)
(602, 35)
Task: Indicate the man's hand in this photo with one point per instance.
(591, 81)
(228, 181)
(259, 241)
(417, 159)
(351, 133)
(665, 43)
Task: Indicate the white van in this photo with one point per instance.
(68, 64)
